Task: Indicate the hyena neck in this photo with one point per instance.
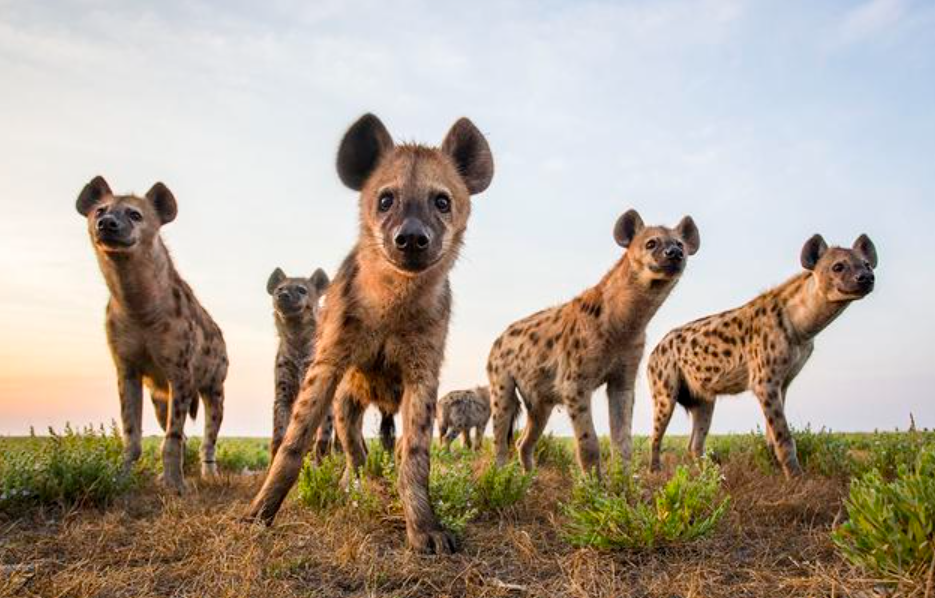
(296, 333)
(629, 300)
(389, 293)
(808, 310)
(139, 281)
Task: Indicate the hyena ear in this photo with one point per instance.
(468, 148)
(812, 251)
(865, 247)
(361, 149)
(92, 193)
(274, 279)
(627, 227)
(164, 203)
(688, 230)
(320, 280)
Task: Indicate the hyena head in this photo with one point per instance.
(124, 223)
(657, 253)
(297, 296)
(414, 200)
(841, 274)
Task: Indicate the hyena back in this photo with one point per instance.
(760, 346)
(461, 411)
(382, 331)
(159, 334)
(559, 356)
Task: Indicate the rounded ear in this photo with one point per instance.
(361, 149)
(690, 235)
(865, 247)
(92, 193)
(274, 279)
(164, 203)
(812, 251)
(468, 148)
(319, 280)
(627, 227)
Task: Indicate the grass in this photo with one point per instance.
(771, 538)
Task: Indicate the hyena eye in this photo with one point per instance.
(838, 268)
(651, 244)
(302, 291)
(135, 216)
(443, 203)
(100, 212)
(386, 201)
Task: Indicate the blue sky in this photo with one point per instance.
(766, 122)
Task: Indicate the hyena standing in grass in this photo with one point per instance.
(760, 346)
(559, 356)
(461, 411)
(159, 334)
(382, 332)
(296, 303)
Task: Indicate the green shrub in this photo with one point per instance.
(380, 463)
(887, 452)
(452, 493)
(554, 452)
(891, 524)
(236, 455)
(824, 452)
(74, 468)
(319, 486)
(687, 507)
(502, 487)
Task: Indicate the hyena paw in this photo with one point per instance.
(173, 482)
(209, 469)
(438, 541)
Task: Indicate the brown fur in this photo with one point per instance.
(459, 412)
(382, 333)
(559, 356)
(760, 346)
(159, 334)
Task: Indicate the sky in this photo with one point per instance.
(765, 121)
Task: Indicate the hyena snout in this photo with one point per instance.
(291, 299)
(111, 231)
(412, 236)
(865, 280)
(674, 253)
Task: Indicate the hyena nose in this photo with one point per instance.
(108, 223)
(674, 252)
(411, 236)
(865, 277)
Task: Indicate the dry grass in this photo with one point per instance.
(773, 542)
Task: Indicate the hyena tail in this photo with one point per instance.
(387, 431)
(193, 408)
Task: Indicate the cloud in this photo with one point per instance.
(870, 19)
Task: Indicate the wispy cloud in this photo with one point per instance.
(870, 20)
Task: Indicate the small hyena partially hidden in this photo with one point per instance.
(159, 334)
(461, 411)
(559, 356)
(381, 337)
(760, 346)
(296, 303)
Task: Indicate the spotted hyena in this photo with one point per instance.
(382, 332)
(459, 412)
(296, 303)
(559, 356)
(760, 346)
(159, 334)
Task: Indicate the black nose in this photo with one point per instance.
(108, 223)
(674, 253)
(865, 278)
(411, 236)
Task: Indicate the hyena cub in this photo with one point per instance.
(296, 303)
(459, 412)
(159, 334)
(760, 346)
(382, 332)
(559, 356)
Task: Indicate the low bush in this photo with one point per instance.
(74, 468)
(502, 487)
(452, 492)
(687, 507)
(554, 452)
(319, 485)
(890, 529)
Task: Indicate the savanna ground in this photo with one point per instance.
(774, 538)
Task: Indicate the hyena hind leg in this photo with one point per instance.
(213, 400)
(701, 414)
(504, 404)
(665, 397)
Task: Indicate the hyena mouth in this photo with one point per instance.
(115, 241)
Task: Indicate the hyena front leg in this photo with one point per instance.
(701, 424)
(479, 437)
(213, 400)
(423, 530)
(777, 429)
(349, 415)
(588, 447)
(314, 398)
(466, 438)
(287, 387)
(130, 388)
(620, 393)
(173, 453)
